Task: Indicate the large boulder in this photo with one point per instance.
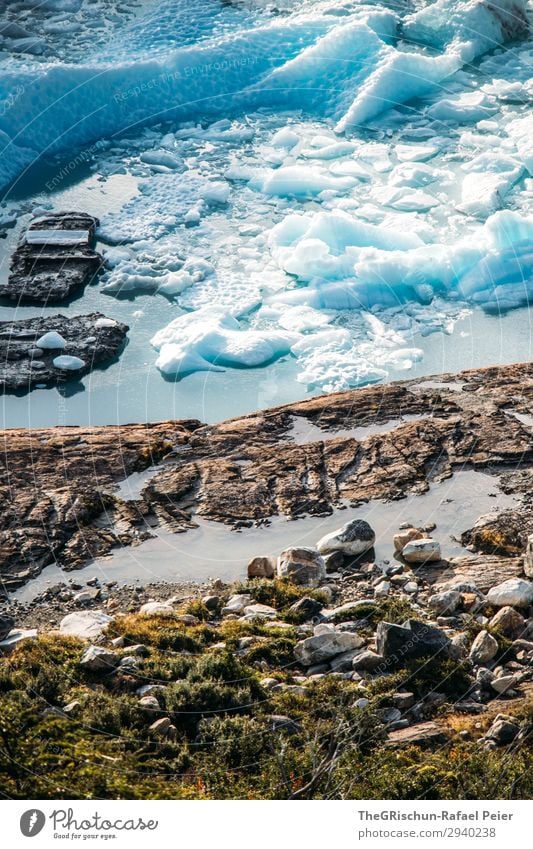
(352, 539)
(425, 550)
(86, 624)
(515, 592)
(323, 647)
(302, 566)
(410, 641)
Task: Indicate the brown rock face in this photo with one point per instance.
(58, 486)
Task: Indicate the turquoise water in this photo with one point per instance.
(340, 267)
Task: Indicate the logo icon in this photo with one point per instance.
(32, 822)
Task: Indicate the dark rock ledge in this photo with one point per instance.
(53, 349)
(58, 486)
(54, 258)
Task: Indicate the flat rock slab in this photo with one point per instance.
(54, 258)
(483, 570)
(91, 339)
(423, 734)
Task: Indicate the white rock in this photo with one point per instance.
(382, 590)
(410, 587)
(515, 592)
(99, 659)
(260, 611)
(15, 637)
(156, 608)
(51, 341)
(352, 539)
(424, 550)
(86, 624)
(237, 603)
(504, 683)
(446, 602)
(325, 646)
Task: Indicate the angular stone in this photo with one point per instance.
(504, 683)
(260, 611)
(236, 604)
(367, 661)
(301, 565)
(446, 602)
(425, 550)
(99, 659)
(424, 734)
(325, 646)
(528, 557)
(401, 539)
(503, 730)
(508, 622)
(161, 727)
(412, 640)
(306, 607)
(484, 648)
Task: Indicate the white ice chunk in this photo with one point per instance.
(51, 341)
(68, 363)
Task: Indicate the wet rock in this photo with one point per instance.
(325, 646)
(54, 258)
(262, 567)
(401, 539)
(508, 622)
(410, 641)
(99, 659)
(52, 349)
(353, 539)
(484, 648)
(7, 623)
(513, 593)
(86, 625)
(301, 565)
(425, 550)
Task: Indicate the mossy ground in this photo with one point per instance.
(225, 745)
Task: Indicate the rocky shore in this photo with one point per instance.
(412, 672)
